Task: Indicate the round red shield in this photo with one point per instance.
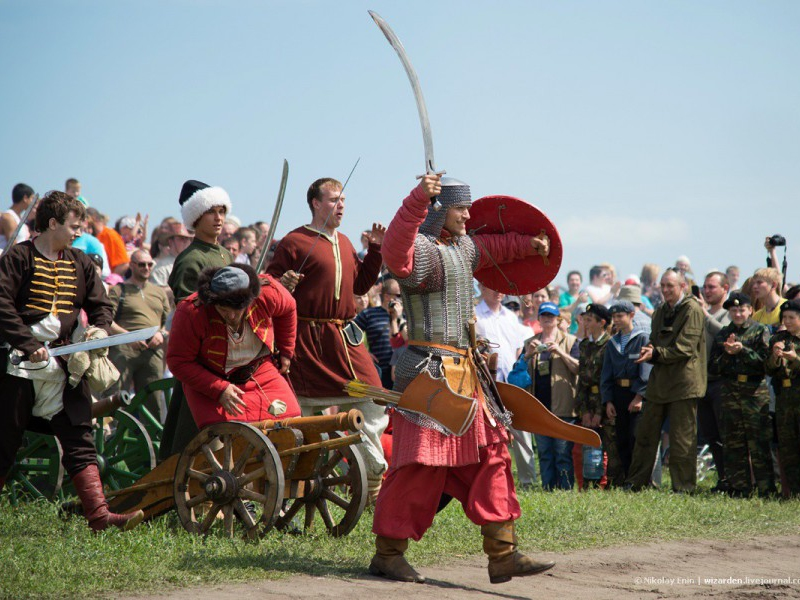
(504, 214)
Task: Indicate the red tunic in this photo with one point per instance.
(323, 362)
(198, 350)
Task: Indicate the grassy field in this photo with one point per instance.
(45, 556)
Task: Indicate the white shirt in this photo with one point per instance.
(599, 291)
(503, 329)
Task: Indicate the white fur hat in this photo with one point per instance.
(197, 197)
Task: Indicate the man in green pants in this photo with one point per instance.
(737, 359)
(203, 209)
(677, 351)
(783, 365)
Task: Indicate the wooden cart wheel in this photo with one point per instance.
(337, 495)
(37, 472)
(222, 468)
(127, 454)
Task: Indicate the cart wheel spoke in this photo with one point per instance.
(212, 460)
(244, 514)
(209, 518)
(227, 513)
(337, 481)
(337, 500)
(309, 521)
(227, 461)
(242, 460)
(195, 500)
(289, 514)
(322, 506)
(251, 495)
(252, 476)
(198, 475)
(333, 462)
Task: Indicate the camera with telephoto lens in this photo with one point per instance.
(777, 240)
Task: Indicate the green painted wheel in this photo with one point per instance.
(37, 472)
(138, 407)
(127, 454)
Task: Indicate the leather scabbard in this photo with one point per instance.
(531, 415)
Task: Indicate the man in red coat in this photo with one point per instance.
(321, 267)
(434, 259)
(223, 345)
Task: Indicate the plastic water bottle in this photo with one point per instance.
(592, 463)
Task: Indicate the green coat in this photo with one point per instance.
(589, 371)
(780, 368)
(679, 353)
(750, 361)
(190, 262)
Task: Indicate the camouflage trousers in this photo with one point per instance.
(746, 434)
(787, 416)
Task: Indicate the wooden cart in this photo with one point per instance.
(251, 477)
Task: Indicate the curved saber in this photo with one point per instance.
(273, 225)
(427, 136)
(23, 219)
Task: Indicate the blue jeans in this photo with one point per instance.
(555, 462)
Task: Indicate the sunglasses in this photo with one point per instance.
(149, 265)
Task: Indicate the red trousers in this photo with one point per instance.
(410, 495)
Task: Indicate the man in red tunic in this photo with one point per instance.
(321, 267)
(434, 260)
(223, 343)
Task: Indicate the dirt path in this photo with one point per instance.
(689, 569)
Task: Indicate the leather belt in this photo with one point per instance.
(452, 349)
(741, 378)
(315, 320)
(623, 383)
(245, 372)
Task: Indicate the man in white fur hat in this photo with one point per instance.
(203, 210)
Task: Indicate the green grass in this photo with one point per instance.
(45, 556)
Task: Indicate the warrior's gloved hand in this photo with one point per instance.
(77, 365)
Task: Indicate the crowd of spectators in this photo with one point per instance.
(643, 359)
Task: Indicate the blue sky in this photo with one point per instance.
(644, 130)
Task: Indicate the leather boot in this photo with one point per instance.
(390, 563)
(95, 508)
(505, 561)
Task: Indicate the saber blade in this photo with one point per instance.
(273, 225)
(107, 342)
(424, 121)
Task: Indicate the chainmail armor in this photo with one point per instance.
(454, 193)
(437, 297)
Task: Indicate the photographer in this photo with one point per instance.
(381, 324)
(771, 243)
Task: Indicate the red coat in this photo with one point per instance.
(198, 350)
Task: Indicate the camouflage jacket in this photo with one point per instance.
(781, 368)
(589, 371)
(750, 361)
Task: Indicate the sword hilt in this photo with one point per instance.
(437, 206)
